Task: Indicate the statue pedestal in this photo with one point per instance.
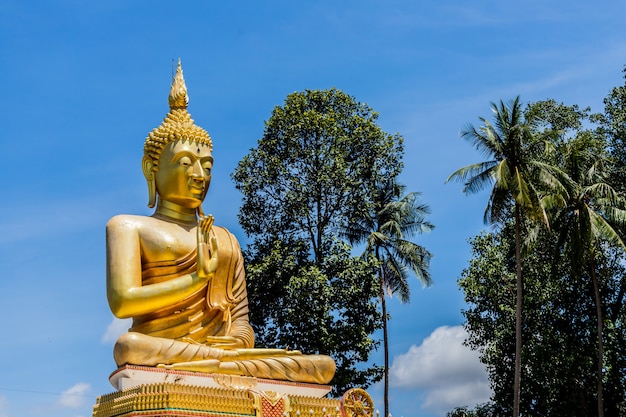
(130, 376)
(146, 391)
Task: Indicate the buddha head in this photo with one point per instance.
(177, 159)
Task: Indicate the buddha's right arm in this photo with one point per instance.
(125, 292)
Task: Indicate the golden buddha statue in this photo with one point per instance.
(180, 277)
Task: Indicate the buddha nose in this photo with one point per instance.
(197, 173)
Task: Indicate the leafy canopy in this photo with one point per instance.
(313, 172)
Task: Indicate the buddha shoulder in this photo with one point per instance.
(130, 222)
(158, 240)
(146, 227)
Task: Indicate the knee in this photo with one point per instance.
(127, 345)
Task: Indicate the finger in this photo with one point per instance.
(214, 247)
(206, 224)
(199, 234)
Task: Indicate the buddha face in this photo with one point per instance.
(184, 173)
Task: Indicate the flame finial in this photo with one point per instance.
(178, 97)
(177, 125)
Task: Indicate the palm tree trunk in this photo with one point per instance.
(596, 291)
(518, 316)
(385, 347)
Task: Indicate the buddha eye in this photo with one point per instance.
(185, 161)
(207, 167)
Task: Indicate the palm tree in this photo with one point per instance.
(513, 170)
(586, 209)
(392, 220)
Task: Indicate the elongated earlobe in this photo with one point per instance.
(148, 168)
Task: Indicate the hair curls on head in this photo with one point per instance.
(177, 125)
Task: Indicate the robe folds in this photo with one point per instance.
(218, 309)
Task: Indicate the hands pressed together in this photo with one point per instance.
(207, 256)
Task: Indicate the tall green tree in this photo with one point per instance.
(587, 211)
(573, 277)
(613, 126)
(559, 320)
(393, 220)
(514, 172)
(314, 170)
(329, 309)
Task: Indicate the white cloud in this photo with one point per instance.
(74, 397)
(116, 328)
(449, 372)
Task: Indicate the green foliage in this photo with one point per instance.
(574, 278)
(555, 120)
(516, 175)
(511, 168)
(559, 326)
(313, 172)
(481, 410)
(393, 220)
(613, 126)
(315, 167)
(330, 309)
(586, 212)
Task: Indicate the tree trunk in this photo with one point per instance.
(518, 316)
(596, 291)
(385, 346)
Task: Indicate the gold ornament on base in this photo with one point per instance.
(357, 402)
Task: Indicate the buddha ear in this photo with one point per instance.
(148, 168)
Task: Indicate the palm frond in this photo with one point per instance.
(602, 228)
(395, 280)
(355, 232)
(415, 257)
(377, 239)
(502, 175)
(601, 191)
(468, 172)
(386, 230)
(484, 140)
(498, 206)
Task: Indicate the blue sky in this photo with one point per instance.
(84, 82)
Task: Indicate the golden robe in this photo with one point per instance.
(218, 309)
(176, 336)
